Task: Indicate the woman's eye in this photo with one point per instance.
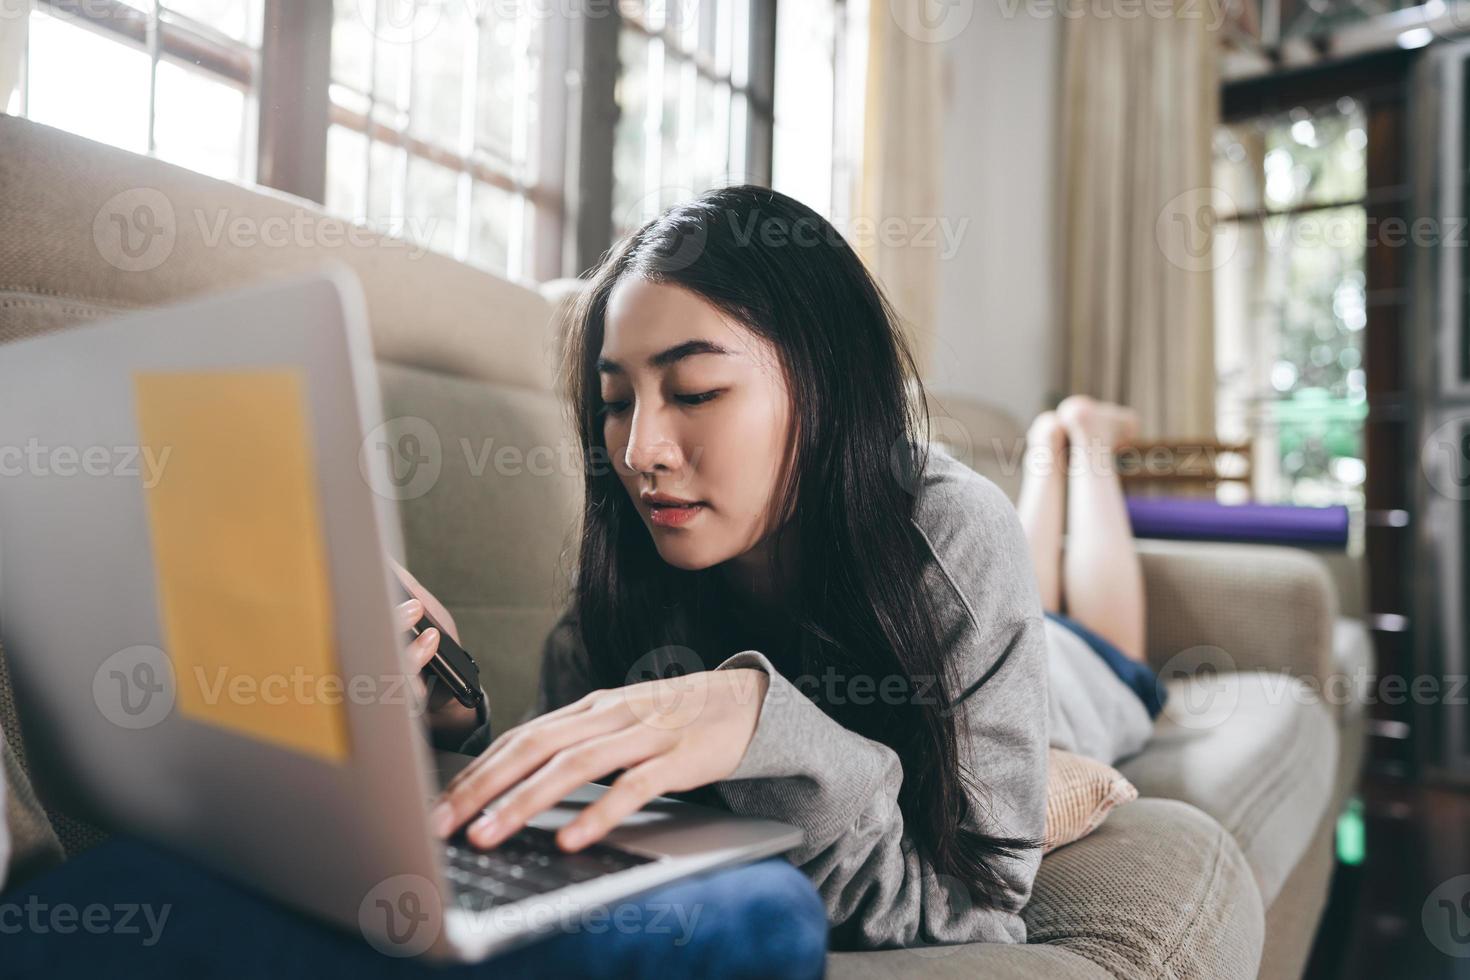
(613, 408)
(698, 399)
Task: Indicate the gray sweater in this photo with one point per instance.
(841, 789)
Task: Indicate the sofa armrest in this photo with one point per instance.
(1267, 607)
(1159, 890)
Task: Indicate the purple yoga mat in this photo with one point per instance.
(1205, 520)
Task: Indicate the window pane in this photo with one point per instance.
(1315, 158)
(805, 139)
(495, 111)
(200, 123)
(65, 60)
(675, 177)
(346, 172)
(1290, 307)
(631, 137)
(492, 222)
(740, 42)
(1239, 167)
(431, 199)
(390, 73)
(352, 46)
(724, 26)
(1290, 313)
(438, 79)
(385, 187)
(239, 19)
(710, 132)
(708, 28)
(739, 133)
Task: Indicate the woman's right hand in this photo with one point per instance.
(449, 721)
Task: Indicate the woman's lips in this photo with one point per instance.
(666, 516)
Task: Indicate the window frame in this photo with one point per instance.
(543, 190)
(193, 47)
(598, 115)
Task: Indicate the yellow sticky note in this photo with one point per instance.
(243, 585)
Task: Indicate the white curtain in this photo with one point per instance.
(14, 30)
(1140, 107)
(899, 172)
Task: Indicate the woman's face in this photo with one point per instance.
(697, 410)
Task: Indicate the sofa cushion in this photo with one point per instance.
(64, 201)
(1159, 890)
(1080, 793)
(492, 532)
(1256, 751)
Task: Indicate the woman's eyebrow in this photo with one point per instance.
(664, 358)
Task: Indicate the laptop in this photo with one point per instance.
(130, 574)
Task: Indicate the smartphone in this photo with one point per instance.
(451, 664)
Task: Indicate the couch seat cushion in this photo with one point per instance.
(1159, 890)
(1255, 750)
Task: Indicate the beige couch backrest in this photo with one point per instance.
(90, 228)
(464, 351)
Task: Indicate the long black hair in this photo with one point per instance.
(859, 440)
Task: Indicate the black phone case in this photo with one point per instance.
(451, 663)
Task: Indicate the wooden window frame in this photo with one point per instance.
(597, 117)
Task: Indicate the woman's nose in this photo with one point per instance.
(650, 447)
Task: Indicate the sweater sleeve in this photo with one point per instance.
(566, 675)
(841, 789)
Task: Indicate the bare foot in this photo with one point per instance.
(1097, 423)
(1047, 432)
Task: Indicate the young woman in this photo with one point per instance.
(786, 600)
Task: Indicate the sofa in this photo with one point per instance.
(1219, 869)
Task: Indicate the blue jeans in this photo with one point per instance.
(759, 920)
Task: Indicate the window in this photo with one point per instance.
(445, 123)
(694, 103)
(432, 128)
(174, 78)
(1291, 301)
(818, 106)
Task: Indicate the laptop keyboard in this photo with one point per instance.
(526, 863)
